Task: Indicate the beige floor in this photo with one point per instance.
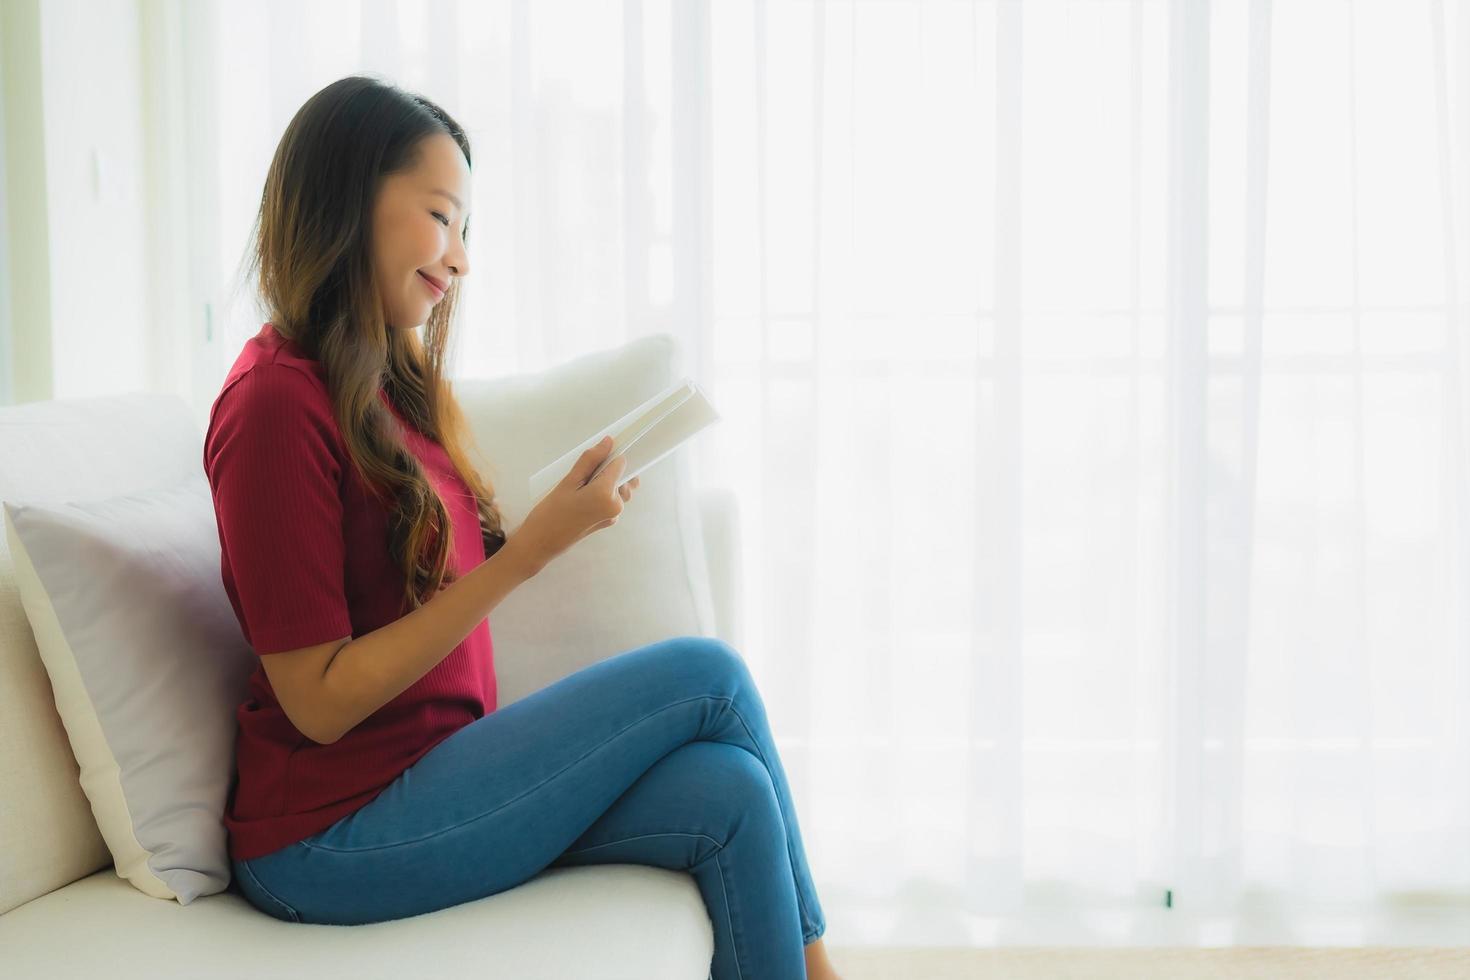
(1223, 963)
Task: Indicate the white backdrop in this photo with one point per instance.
(1094, 384)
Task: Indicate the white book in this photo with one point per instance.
(645, 435)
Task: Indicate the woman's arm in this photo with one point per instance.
(375, 668)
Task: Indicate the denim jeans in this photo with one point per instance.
(660, 756)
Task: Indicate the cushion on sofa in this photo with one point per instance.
(639, 581)
(609, 921)
(61, 450)
(147, 665)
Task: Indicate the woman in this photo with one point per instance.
(362, 554)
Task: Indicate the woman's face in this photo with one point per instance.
(418, 231)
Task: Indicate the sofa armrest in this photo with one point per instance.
(719, 512)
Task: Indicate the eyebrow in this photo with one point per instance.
(450, 196)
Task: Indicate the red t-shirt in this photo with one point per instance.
(304, 556)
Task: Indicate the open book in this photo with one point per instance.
(645, 435)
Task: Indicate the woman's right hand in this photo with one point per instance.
(574, 508)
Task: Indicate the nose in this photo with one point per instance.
(459, 261)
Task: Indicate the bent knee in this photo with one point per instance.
(730, 772)
(721, 656)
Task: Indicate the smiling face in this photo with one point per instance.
(418, 231)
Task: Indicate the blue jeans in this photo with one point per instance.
(660, 756)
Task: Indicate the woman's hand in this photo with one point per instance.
(575, 507)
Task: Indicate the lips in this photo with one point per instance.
(434, 285)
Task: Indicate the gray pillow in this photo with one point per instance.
(147, 665)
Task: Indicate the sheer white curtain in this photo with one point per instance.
(1094, 382)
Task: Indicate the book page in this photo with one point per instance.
(635, 430)
(643, 436)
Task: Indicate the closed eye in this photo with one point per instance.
(464, 236)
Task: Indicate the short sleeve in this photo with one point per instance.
(271, 457)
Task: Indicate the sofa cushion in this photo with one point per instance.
(147, 666)
(67, 449)
(614, 921)
(641, 580)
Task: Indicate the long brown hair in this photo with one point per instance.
(312, 251)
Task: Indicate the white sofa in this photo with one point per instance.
(64, 912)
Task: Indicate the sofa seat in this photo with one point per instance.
(557, 925)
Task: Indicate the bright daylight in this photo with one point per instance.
(735, 489)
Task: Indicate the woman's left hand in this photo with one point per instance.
(626, 490)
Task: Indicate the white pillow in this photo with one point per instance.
(147, 665)
(642, 580)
